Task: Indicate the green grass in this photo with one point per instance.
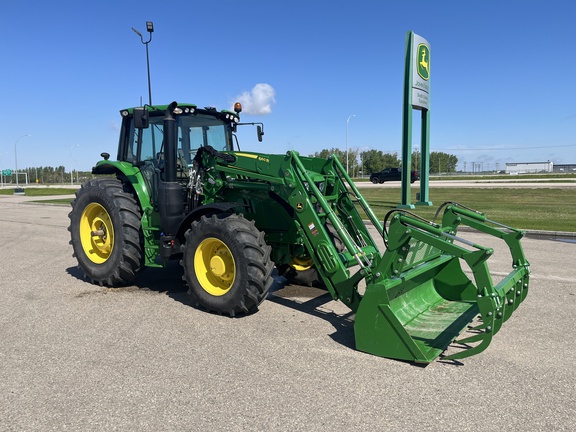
(36, 191)
(537, 209)
(42, 192)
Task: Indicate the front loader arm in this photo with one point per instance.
(419, 296)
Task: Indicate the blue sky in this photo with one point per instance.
(502, 74)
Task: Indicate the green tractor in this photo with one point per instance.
(180, 191)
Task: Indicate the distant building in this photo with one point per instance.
(567, 168)
(529, 167)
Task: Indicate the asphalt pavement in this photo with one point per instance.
(80, 357)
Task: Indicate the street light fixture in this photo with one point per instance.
(353, 115)
(16, 158)
(150, 30)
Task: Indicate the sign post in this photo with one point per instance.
(3, 174)
(416, 96)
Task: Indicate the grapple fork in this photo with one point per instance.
(421, 298)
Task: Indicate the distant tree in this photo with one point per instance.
(341, 155)
(55, 175)
(442, 162)
(375, 161)
(391, 160)
(353, 162)
(416, 160)
(326, 153)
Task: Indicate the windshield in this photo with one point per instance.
(202, 130)
(194, 131)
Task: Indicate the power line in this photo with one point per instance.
(504, 148)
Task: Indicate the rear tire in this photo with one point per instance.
(298, 272)
(227, 264)
(106, 232)
(303, 271)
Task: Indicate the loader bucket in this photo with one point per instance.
(429, 289)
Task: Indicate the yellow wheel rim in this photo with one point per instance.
(214, 266)
(301, 264)
(96, 233)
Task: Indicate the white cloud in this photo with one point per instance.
(114, 125)
(259, 100)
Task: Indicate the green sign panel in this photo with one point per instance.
(7, 172)
(416, 96)
(420, 94)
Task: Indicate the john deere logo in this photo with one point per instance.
(423, 59)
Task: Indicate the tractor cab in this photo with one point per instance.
(143, 141)
(160, 144)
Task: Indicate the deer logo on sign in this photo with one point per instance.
(423, 62)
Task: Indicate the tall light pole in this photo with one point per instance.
(16, 157)
(347, 121)
(150, 30)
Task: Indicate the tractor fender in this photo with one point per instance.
(129, 174)
(107, 168)
(204, 210)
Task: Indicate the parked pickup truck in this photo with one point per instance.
(392, 174)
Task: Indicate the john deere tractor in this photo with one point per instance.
(181, 189)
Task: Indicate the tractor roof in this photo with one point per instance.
(157, 108)
(188, 108)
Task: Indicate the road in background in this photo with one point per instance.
(508, 183)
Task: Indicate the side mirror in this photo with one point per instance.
(141, 119)
(260, 132)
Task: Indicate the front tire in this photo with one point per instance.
(106, 232)
(227, 264)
